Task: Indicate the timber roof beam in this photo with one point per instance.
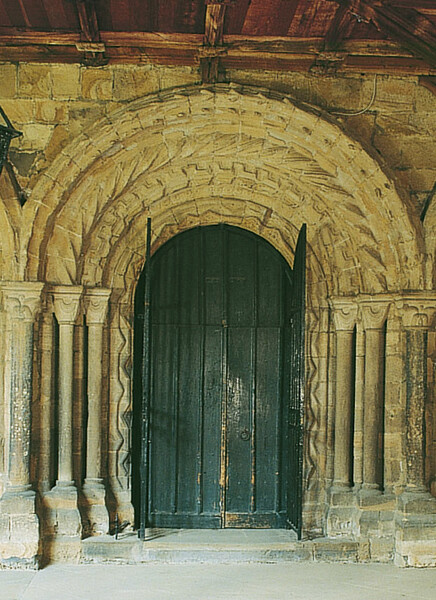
(90, 41)
(413, 30)
(213, 38)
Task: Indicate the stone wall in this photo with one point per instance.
(52, 104)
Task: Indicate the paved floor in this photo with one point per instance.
(291, 581)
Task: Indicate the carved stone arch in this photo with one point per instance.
(271, 143)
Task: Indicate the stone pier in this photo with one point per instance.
(19, 524)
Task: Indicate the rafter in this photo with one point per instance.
(88, 21)
(213, 38)
(413, 30)
(90, 41)
(340, 28)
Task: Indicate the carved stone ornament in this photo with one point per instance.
(344, 313)
(374, 313)
(21, 300)
(66, 302)
(418, 310)
(96, 303)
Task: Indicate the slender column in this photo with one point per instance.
(418, 313)
(96, 302)
(46, 400)
(374, 316)
(415, 522)
(21, 302)
(344, 315)
(66, 301)
(95, 516)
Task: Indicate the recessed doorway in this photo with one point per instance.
(224, 404)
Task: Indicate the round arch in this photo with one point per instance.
(229, 153)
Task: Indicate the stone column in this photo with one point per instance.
(374, 315)
(418, 313)
(62, 525)
(66, 301)
(344, 315)
(19, 543)
(45, 463)
(416, 517)
(94, 512)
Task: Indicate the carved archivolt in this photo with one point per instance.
(168, 153)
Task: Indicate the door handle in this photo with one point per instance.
(245, 435)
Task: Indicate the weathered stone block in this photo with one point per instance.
(420, 503)
(133, 82)
(342, 498)
(8, 79)
(341, 521)
(49, 111)
(35, 81)
(25, 528)
(97, 83)
(66, 81)
(20, 503)
(19, 111)
(62, 549)
(343, 551)
(178, 76)
(35, 136)
(382, 549)
(415, 554)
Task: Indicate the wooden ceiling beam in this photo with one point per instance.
(340, 28)
(245, 52)
(88, 21)
(213, 38)
(413, 30)
(90, 42)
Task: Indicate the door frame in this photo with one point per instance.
(294, 520)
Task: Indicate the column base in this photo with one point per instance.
(19, 529)
(62, 528)
(119, 503)
(341, 512)
(415, 529)
(92, 506)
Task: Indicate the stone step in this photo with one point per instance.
(220, 546)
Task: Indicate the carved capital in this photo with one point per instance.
(344, 313)
(22, 300)
(66, 302)
(96, 304)
(374, 313)
(417, 310)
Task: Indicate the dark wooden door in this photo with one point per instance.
(222, 332)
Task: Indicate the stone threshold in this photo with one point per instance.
(220, 546)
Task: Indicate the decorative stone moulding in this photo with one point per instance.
(374, 313)
(96, 305)
(21, 300)
(418, 309)
(66, 302)
(345, 312)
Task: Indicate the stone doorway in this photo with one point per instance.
(224, 441)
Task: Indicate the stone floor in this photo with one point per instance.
(287, 581)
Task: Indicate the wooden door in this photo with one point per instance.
(221, 330)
